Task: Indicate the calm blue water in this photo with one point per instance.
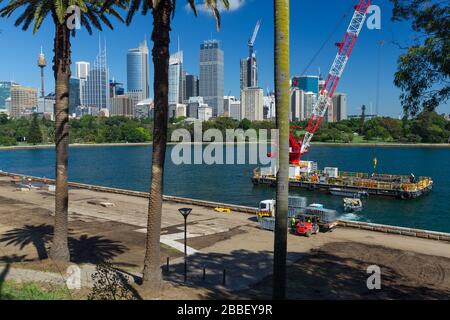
(129, 168)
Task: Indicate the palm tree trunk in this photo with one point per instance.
(282, 65)
(61, 68)
(152, 278)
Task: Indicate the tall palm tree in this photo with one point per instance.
(35, 12)
(162, 12)
(282, 65)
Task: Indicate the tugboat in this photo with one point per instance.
(352, 204)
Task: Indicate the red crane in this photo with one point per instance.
(297, 148)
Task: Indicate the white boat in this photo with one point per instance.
(352, 204)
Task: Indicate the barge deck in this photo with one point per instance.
(394, 186)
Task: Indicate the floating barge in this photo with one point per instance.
(306, 176)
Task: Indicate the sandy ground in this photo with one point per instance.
(328, 265)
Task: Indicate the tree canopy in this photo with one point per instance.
(424, 69)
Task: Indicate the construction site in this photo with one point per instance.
(305, 174)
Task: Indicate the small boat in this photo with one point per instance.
(349, 193)
(352, 204)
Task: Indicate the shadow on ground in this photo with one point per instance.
(83, 249)
(335, 271)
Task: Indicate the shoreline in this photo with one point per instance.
(408, 232)
(317, 144)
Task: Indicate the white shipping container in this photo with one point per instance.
(331, 172)
(294, 171)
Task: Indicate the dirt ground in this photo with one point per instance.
(339, 271)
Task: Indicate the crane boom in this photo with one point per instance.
(252, 40)
(335, 74)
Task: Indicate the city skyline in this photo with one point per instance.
(359, 81)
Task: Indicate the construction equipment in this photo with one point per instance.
(305, 225)
(325, 96)
(251, 42)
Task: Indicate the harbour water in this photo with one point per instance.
(128, 167)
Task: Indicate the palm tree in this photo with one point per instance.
(91, 14)
(282, 65)
(162, 11)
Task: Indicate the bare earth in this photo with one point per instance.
(329, 265)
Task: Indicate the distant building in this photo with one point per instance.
(82, 69)
(138, 71)
(23, 100)
(297, 105)
(191, 87)
(204, 113)
(192, 106)
(269, 106)
(339, 107)
(176, 92)
(177, 110)
(307, 83)
(144, 109)
(5, 92)
(75, 90)
(181, 111)
(232, 107)
(309, 100)
(46, 106)
(252, 100)
(96, 94)
(122, 105)
(249, 72)
(212, 75)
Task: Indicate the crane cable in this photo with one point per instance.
(332, 33)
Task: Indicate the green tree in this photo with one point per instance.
(282, 97)
(35, 133)
(162, 12)
(424, 70)
(61, 14)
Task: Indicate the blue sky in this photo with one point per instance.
(310, 27)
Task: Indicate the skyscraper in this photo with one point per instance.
(82, 69)
(138, 71)
(176, 78)
(74, 95)
(307, 83)
(211, 75)
(97, 85)
(191, 87)
(249, 72)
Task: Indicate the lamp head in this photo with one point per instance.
(185, 211)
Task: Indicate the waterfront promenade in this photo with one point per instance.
(112, 226)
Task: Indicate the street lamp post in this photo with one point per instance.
(185, 213)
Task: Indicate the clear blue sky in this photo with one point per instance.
(310, 27)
